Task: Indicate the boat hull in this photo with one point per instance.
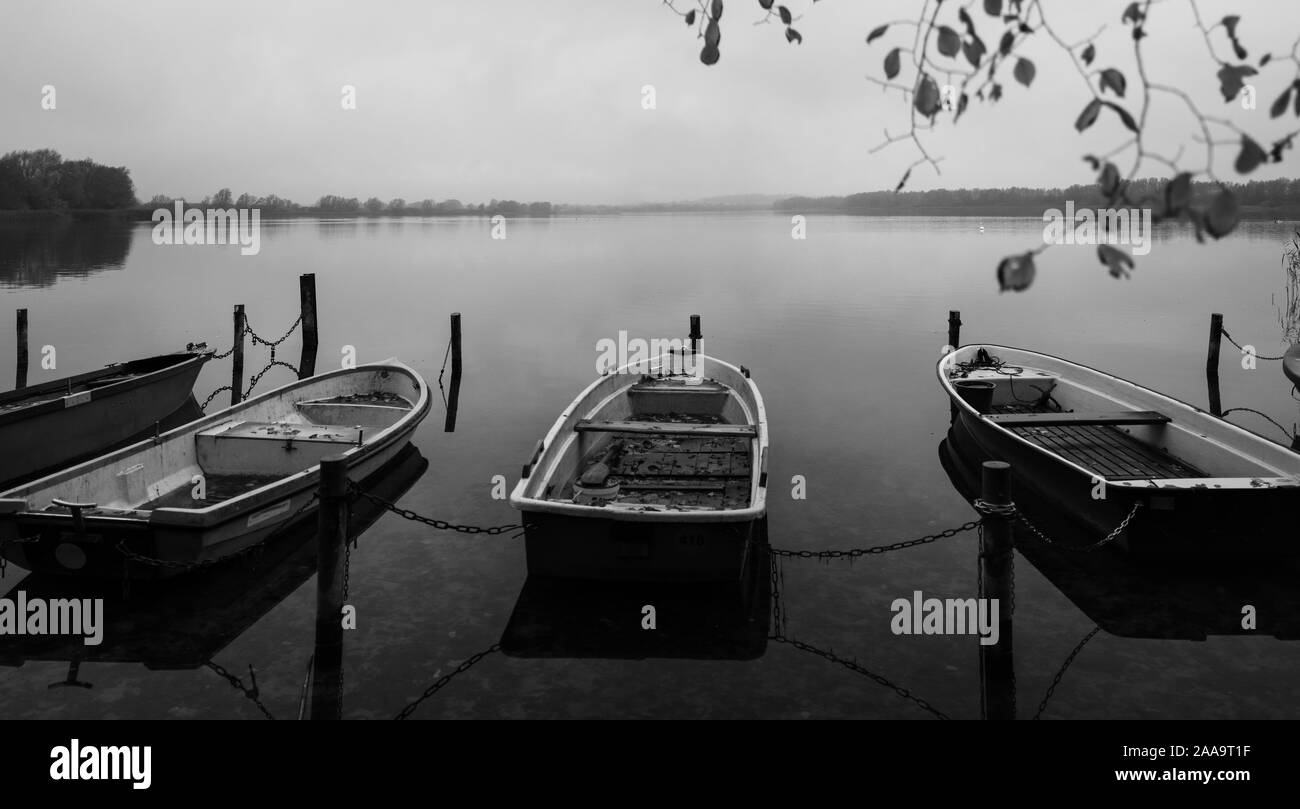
(81, 426)
(563, 546)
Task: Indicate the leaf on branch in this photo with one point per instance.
(1232, 78)
(1283, 101)
(1132, 13)
(1265, 59)
(716, 11)
(1008, 40)
(993, 8)
(949, 41)
(1092, 160)
(1108, 181)
(1089, 115)
(1230, 22)
(1124, 116)
(996, 93)
(712, 37)
(792, 35)
(974, 50)
(1025, 71)
(1223, 215)
(1178, 194)
(966, 21)
(1250, 156)
(892, 63)
(1280, 146)
(1089, 53)
(1016, 273)
(690, 17)
(1112, 78)
(962, 101)
(786, 18)
(927, 100)
(1119, 263)
(877, 33)
(903, 181)
(766, 4)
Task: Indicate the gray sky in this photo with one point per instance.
(538, 100)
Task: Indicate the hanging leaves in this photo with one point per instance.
(1025, 71)
(1283, 101)
(1250, 156)
(1113, 80)
(993, 8)
(1230, 24)
(1089, 115)
(948, 42)
(1118, 262)
(1016, 273)
(786, 18)
(1124, 116)
(1178, 194)
(1008, 40)
(715, 10)
(1232, 78)
(690, 17)
(927, 101)
(877, 33)
(792, 35)
(1089, 53)
(974, 50)
(1108, 180)
(1223, 215)
(892, 63)
(712, 37)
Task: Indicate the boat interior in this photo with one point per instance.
(236, 452)
(674, 441)
(1116, 430)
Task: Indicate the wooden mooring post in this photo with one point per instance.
(954, 328)
(695, 335)
(331, 537)
(997, 662)
(237, 359)
(453, 394)
(20, 370)
(310, 335)
(1212, 364)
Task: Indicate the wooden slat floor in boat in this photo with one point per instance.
(1102, 449)
(692, 472)
(218, 489)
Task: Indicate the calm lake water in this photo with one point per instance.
(841, 331)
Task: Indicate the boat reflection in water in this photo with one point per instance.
(577, 618)
(1135, 598)
(183, 623)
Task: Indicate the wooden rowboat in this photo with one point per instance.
(649, 476)
(1099, 446)
(53, 424)
(216, 486)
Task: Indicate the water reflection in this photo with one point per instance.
(37, 252)
(183, 623)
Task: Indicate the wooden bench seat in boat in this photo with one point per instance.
(1069, 419)
(260, 448)
(667, 428)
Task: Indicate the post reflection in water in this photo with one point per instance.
(185, 623)
(1133, 598)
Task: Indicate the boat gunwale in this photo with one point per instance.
(287, 486)
(182, 362)
(1201, 484)
(647, 513)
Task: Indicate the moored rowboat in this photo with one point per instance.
(1103, 448)
(47, 426)
(650, 476)
(216, 486)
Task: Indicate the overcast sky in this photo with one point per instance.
(533, 100)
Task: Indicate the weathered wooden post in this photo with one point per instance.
(1212, 363)
(307, 308)
(695, 334)
(954, 328)
(331, 537)
(997, 663)
(453, 395)
(20, 371)
(237, 359)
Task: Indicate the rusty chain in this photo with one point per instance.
(251, 693)
(442, 681)
(442, 525)
(256, 339)
(1042, 706)
(1111, 537)
(896, 546)
(1224, 332)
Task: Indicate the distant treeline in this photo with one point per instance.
(42, 180)
(1264, 196)
(353, 206)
